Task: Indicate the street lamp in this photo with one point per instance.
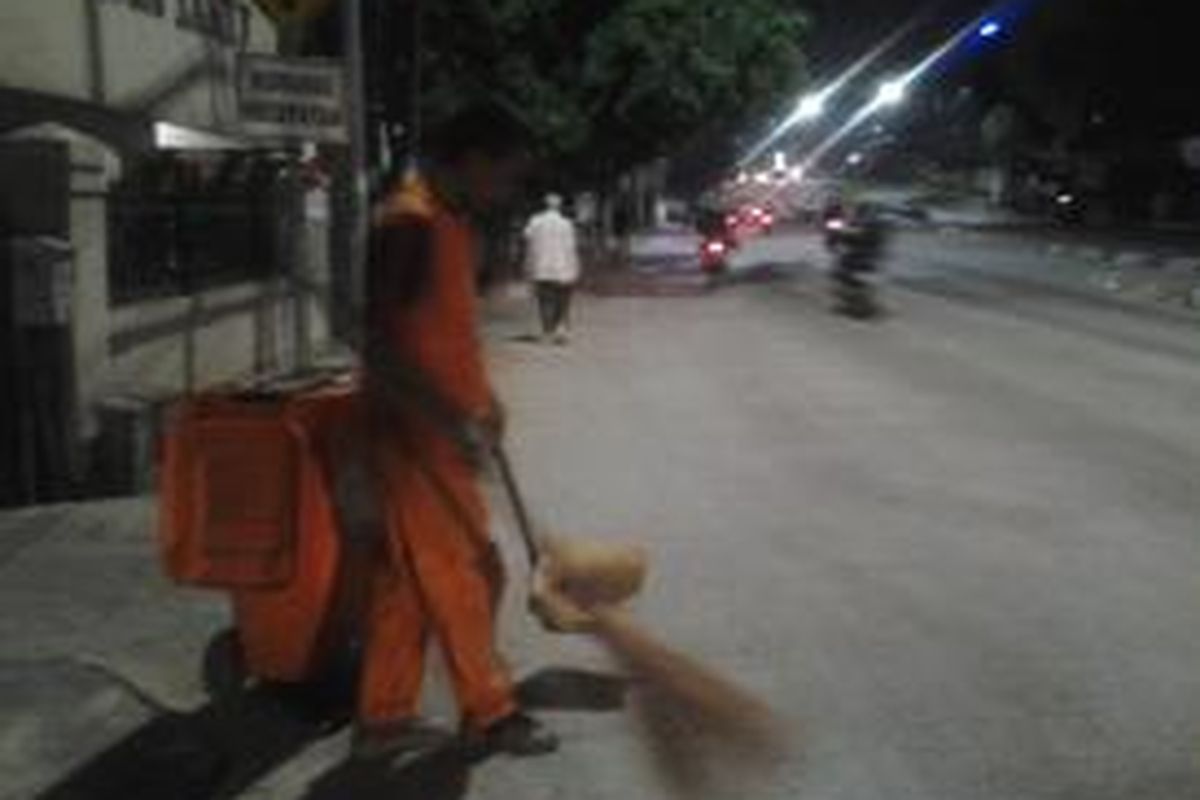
(810, 107)
(892, 93)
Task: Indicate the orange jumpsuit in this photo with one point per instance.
(439, 573)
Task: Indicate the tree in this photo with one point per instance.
(607, 86)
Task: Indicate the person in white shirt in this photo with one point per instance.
(552, 263)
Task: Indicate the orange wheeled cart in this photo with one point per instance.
(247, 507)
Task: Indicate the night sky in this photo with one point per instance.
(843, 29)
(1131, 62)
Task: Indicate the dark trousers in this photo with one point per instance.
(554, 304)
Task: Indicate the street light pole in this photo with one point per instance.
(356, 241)
(415, 131)
(292, 293)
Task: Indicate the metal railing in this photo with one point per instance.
(163, 245)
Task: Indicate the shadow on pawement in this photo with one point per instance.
(222, 749)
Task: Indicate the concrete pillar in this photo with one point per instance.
(94, 166)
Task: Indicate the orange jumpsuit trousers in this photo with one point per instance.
(440, 573)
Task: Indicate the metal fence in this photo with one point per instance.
(162, 245)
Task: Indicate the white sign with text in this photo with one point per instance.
(292, 99)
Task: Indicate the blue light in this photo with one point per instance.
(990, 29)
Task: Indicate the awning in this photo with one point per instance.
(169, 136)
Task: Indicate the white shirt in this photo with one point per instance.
(550, 248)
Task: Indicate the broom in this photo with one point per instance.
(578, 586)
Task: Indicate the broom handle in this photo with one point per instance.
(517, 500)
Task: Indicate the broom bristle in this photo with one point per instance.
(727, 708)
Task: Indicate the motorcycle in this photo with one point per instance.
(718, 241)
(714, 258)
(857, 243)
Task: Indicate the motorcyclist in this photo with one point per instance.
(858, 242)
(833, 219)
(716, 242)
(711, 224)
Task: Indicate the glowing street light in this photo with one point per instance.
(892, 93)
(814, 105)
(810, 107)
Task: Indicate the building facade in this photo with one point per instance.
(166, 223)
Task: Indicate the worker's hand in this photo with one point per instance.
(553, 605)
(475, 443)
(481, 435)
(495, 421)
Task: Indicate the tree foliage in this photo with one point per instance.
(609, 85)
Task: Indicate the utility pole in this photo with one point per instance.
(415, 132)
(296, 242)
(357, 200)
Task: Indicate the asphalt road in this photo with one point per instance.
(957, 551)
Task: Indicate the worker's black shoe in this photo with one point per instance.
(395, 738)
(518, 734)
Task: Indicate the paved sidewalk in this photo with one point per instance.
(93, 640)
(101, 694)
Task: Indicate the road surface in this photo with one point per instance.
(958, 551)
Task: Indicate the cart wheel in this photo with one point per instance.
(224, 672)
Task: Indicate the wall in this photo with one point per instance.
(173, 73)
(42, 46)
(89, 237)
(157, 67)
(149, 341)
(93, 166)
(235, 331)
(160, 66)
